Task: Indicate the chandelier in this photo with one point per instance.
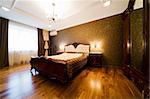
(52, 18)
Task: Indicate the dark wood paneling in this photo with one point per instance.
(126, 38)
(146, 28)
(139, 79)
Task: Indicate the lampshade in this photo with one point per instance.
(96, 46)
(62, 46)
(46, 45)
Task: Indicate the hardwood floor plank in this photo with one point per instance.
(91, 83)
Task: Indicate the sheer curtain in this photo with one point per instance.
(22, 43)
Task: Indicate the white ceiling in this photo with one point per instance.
(70, 12)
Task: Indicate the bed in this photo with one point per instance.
(63, 66)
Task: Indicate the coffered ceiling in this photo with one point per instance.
(69, 12)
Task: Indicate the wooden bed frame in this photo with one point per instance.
(52, 69)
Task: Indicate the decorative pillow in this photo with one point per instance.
(70, 48)
(83, 48)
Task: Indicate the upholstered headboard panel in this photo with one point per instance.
(77, 47)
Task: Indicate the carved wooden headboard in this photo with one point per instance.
(76, 44)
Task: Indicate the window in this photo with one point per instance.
(22, 43)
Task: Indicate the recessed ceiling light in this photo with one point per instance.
(106, 2)
(5, 9)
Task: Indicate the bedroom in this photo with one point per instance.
(104, 45)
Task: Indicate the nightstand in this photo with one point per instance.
(95, 59)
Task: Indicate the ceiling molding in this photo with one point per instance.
(74, 12)
(29, 14)
(13, 4)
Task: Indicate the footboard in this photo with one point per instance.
(50, 68)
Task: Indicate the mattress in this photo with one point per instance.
(65, 56)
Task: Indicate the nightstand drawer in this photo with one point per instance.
(95, 59)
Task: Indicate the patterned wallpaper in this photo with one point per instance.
(107, 31)
(137, 38)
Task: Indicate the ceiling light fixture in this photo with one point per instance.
(106, 2)
(5, 8)
(52, 19)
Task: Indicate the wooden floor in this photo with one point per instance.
(91, 83)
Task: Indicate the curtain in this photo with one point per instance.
(41, 51)
(3, 42)
(49, 43)
(22, 42)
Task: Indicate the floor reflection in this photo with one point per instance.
(91, 83)
(20, 84)
(95, 84)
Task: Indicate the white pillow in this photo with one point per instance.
(70, 48)
(83, 48)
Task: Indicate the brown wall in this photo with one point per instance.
(108, 31)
